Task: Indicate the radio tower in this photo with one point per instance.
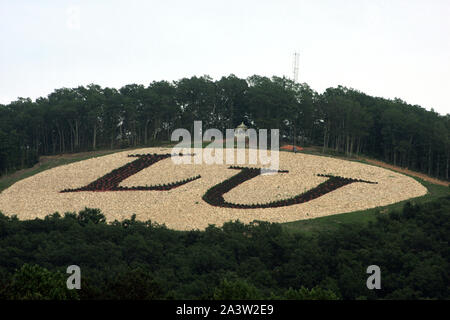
(295, 66)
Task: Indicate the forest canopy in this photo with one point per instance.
(342, 119)
(142, 260)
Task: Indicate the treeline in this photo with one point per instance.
(141, 260)
(341, 119)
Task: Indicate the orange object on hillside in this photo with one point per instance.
(290, 147)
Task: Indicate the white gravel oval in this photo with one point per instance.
(182, 208)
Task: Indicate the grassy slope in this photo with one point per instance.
(309, 226)
(332, 222)
(51, 162)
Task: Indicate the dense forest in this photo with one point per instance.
(261, 260)
(340, 119)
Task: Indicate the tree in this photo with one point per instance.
(315, 293)
(231, 102)
(236, 290)
(341, 119)
(32, 282)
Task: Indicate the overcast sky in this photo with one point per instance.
(396, 48)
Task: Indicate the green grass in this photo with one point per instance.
(333, 222)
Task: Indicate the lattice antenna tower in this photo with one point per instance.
(295, 66)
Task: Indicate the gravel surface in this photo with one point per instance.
(182, 208)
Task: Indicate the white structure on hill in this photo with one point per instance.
(241, 130)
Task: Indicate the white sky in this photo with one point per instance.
(396, 48)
